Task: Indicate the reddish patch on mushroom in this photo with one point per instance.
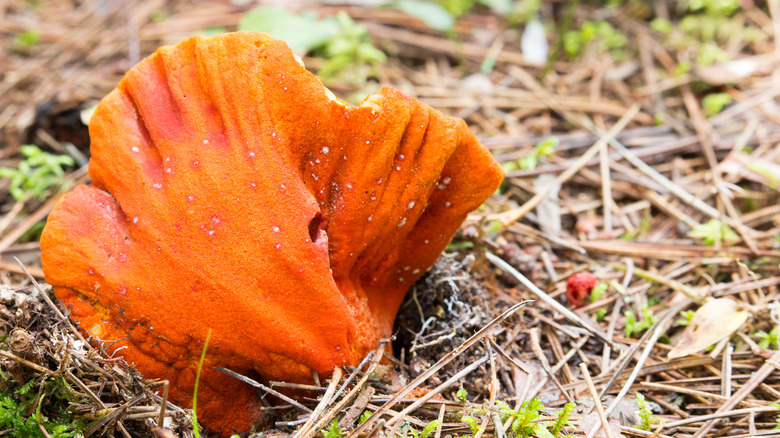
(579, 287)
(247, 201)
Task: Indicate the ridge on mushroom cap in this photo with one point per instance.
(232, 193)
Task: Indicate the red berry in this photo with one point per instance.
(579, 286)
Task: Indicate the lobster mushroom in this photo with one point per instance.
(233, 193)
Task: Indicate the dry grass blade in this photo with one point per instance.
(571, 316)
(262, 387)
(322, 405)
(434, 368)
(507, 218)
(377, 357)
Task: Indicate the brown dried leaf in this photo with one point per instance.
(713, 321)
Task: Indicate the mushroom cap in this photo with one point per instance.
(233, 192)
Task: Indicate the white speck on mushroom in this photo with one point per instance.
(407, 267)
(325, 150)
(195, 163)
(446, 180)
(427, 241)
(311, 163)
(368, 141)
(282, 186)
(379, 181)
(316, 178)
(251, 154)
(211, 232)
(190, 198)
(373, 197)
(278, 245)
(205, 142)
(157, 185)
(401, 280)
(134, 149)
(401, 157)
(306, 240)
(253, 185)
(370, 218)
(273, 134)
(398, 168)
(349, 185)
(317, 160)
(344, 157)
(215, 219)
(447, 204)
(416, 271)
(275, 229)
(167, 159)
(402, 222)
(285, 88)
(91, 271)
(410, 205)
(169, 170)
(135, 220)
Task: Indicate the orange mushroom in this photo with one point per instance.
(233, 192)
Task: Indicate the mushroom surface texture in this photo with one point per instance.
(233, 192)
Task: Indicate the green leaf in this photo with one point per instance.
(462, 394)
(503, 7)
(430, 428)
(430, 13)
(714, 232)
(471, 422)
(598, 291)
(302, 32)
(713, 103)
(333, 430)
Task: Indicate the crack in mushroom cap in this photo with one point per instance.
(232, 192)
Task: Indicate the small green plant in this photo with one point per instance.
(472, 423)
(768, 340)
(37, 174)
(713, 103)
(545, 148)
(598, 32)
(427, 430)
(646, 418)
(195, 430)
(714, 7)
(350, 54)
(302, 32)
(687, 315)
(563, 419)
(772, 178)
(364, 416)
(345, 45)
(26, 40)
(600, 314)
(634, 325)
(523, 419)
(598, 291)
(462, 394)
(333, 430)
(23, 411)
(777, 420)
(714, 232)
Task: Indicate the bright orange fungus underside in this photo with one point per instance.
(232, 192)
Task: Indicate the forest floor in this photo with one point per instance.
(640, 141)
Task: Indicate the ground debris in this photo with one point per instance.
(76, 387)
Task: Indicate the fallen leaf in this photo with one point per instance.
(713, 321)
